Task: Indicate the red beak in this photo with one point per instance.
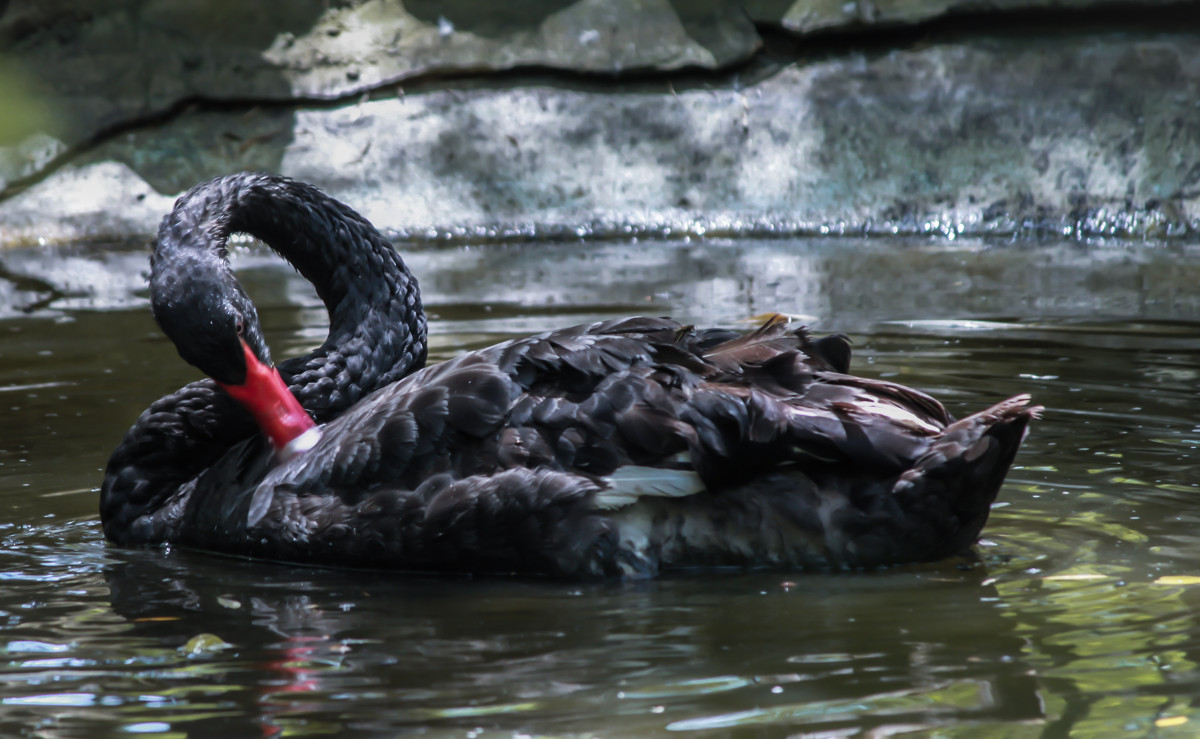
(278, 413)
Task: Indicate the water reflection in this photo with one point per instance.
(1076, 616)
(308, 647)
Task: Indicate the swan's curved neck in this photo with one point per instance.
(377, 335)
(377, 331)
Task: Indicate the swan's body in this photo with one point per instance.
(626, 447)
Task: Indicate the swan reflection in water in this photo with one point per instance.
(378, 653)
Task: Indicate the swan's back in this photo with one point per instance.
(622, 447)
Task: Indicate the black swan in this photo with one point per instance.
(620, 448)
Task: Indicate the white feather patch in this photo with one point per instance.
(627, 484)
(896, 414)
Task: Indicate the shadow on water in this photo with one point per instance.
(1073, 617)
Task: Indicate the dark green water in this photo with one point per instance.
(1077, 615)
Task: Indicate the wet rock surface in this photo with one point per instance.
(453, 120)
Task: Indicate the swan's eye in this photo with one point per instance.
(239, 325)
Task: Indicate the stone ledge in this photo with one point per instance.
(1008, 134)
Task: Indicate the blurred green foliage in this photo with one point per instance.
(21, 113)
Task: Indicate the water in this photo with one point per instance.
(1075, 616)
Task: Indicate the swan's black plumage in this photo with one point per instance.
(376, 332)
(623, 447)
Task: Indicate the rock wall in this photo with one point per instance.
(470, 120)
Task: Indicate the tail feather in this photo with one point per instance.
(954, 484)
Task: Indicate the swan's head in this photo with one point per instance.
(203, 310)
